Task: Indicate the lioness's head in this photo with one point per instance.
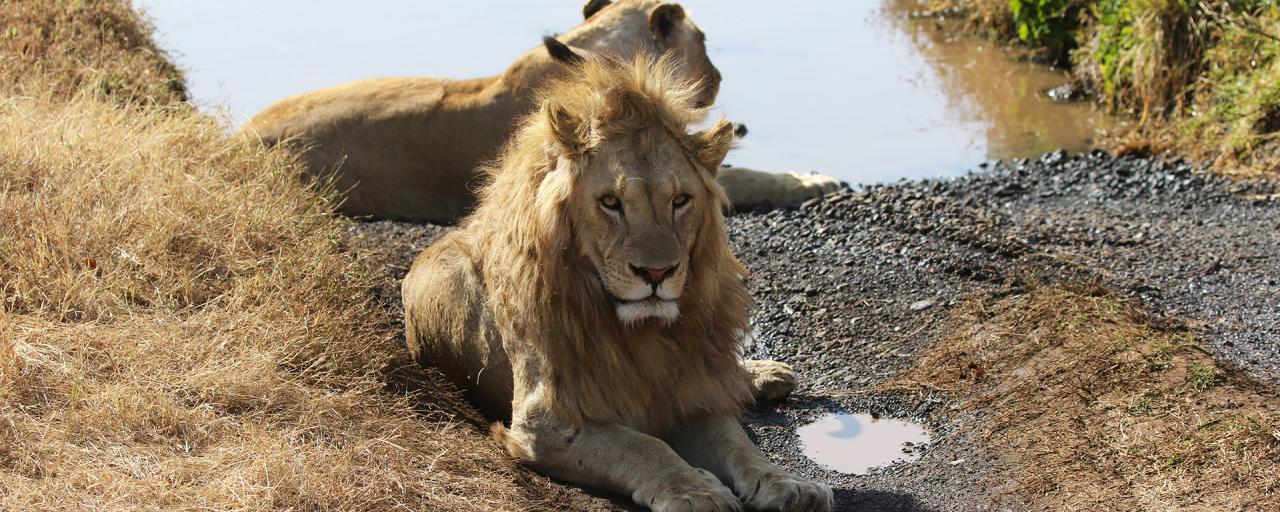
(635, 191)
(624, 28)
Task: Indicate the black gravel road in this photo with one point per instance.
(851, 288)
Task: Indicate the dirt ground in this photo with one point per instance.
(858, 289)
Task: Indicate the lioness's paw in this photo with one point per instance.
(694, 491)
(770, 380)
(818, 184)
(778, 491)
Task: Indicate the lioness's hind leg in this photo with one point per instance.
(770, 380)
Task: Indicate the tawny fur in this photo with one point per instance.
(542, 295)
(408, 148)
(523, 305)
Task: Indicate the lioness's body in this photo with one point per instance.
(593, 298)
(408, 148)
(405, 148)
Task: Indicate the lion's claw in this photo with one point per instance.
(776, 491)
(694, 491)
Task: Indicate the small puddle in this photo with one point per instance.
(855, 443)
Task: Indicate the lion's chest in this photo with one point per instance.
(652, 382)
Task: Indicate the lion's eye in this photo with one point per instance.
(680, 200)
(611, 202)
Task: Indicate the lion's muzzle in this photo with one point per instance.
(631, 312)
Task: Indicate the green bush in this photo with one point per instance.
(1047, 23)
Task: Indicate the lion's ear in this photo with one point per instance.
(663, 18)
(567, 130)
(561, 52)
(713, 144)
(594, 6)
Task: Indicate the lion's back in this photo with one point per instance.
(316, 114)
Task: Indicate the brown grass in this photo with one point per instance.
(988, 18)
(94, 47)
(1092, 408)
(179, 325)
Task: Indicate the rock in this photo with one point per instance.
(1054, 158)
(1067, 92)
(923, 304)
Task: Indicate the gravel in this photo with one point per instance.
(852, 288)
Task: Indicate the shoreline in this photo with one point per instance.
(1196, 79)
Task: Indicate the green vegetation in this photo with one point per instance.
(1204, 377)
(1046, 23)
(1199, 77)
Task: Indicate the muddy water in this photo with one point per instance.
(854, 89)
(856, 443)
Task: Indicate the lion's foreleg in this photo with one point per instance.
(720, 445)
(617, 458)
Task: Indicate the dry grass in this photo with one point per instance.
(179, 325)
(1093, 408)
(988, 18)
(91, 47)
(181, 329)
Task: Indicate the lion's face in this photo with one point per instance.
(638, 210)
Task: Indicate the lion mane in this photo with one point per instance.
(543, 293)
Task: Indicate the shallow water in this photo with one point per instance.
(855, 443)
(854, 89)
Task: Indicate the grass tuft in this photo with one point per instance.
(99, 48)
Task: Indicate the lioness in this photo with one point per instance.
(407, 148)
(594, 299)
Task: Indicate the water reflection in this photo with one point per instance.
(855, 443)
(854, 89)
(987, 86)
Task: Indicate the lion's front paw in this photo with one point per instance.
(779, 491)
(694, 491)
(770, 380)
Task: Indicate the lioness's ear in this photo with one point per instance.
(663, 18)
(565, 128)
(713, 144)
(561, 52)
(594, 6)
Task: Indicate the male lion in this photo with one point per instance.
(593, 297)
(407, 148)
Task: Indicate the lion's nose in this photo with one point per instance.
(653, 276)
